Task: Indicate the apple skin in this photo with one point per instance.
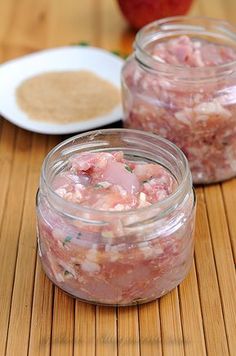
(140, 12)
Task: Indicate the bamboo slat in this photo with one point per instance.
(42, 312)
(106, 331)
(213, 319)
(85, 334)
(229, 195)
(21, 306)
(223, 257)
(62, 342)
(9, 235)
(41, 319)
(7, 145)
(171, 328)
(128, 331)
(150, 329)
(191, 315)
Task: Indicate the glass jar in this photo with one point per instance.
(194, 107)
(116, 257)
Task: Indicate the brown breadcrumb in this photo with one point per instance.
(65, 97)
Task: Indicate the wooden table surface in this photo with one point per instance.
(197, 318)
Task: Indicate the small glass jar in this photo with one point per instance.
(116, 257)
(194, 107)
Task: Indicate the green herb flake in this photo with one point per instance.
(145, 181)
(66, 273)
(128, 169)
(82, 43)
(119, 54)
(78, 235)
(67, 239)
(98, 186)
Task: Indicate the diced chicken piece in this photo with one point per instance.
(115, 184)
(117, 173)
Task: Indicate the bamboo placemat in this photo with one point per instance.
(36, 319)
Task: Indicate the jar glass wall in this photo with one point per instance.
(192, 104)
(116, 257)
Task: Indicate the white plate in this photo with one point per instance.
(12, 73)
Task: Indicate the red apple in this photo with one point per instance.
(140, 12)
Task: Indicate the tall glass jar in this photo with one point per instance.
(116, 257)
(194, 107)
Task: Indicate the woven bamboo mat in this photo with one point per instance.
(36, 319)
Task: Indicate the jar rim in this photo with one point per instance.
(167, 201)
(227, 30)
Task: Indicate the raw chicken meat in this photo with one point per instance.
(192, 104)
